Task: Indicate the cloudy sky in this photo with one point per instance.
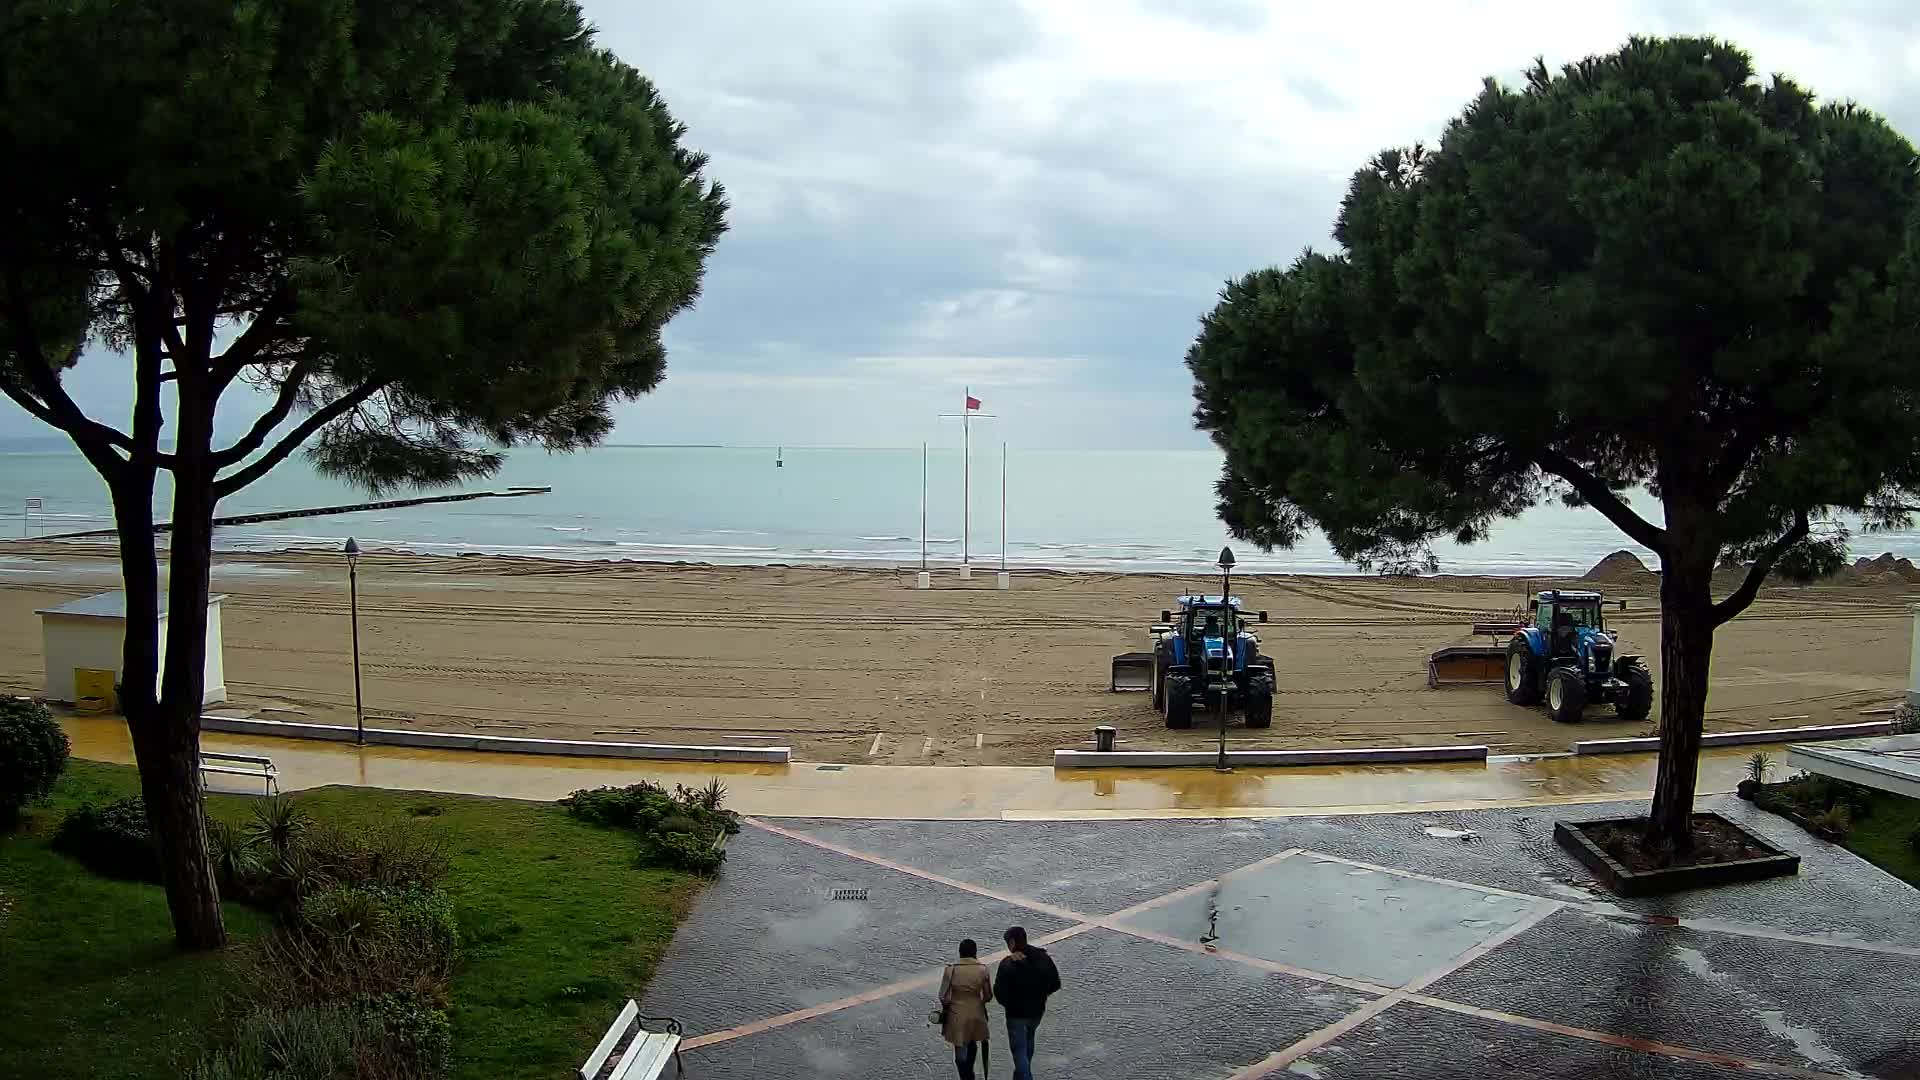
(1038, 199)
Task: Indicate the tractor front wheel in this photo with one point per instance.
(1638, 701)
(1179, 702)
(1523, 673)
(1566, 695)
(1259, 703)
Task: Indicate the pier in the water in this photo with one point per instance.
(322, 511)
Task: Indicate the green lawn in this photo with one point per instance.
(558, 927)
(1881, 836)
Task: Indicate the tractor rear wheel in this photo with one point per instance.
(1523, 673)
(1638, 701)
(1179, 702)
(1566, 695)
(1259, 702)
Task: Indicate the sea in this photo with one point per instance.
(1099, 511)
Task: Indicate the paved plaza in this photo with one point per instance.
(1461, 944)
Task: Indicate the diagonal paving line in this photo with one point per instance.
(924, 875)
(1386, 999)
(879, 993)
(1532, 920)
(1602, 909)
(1625, 1042)
(1314, 1040)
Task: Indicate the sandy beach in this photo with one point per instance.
(850, 665)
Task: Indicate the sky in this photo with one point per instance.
(1038, 199)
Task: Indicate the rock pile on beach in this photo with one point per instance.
(1884, 570)
(1621, 568)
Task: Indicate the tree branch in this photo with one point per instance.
(1742, 597)
(320, 418)
(96, 440)
(1601, 498)
(246, 348)
(271, 419)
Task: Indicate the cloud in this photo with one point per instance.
(1039, 198)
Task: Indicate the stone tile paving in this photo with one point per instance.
(1257, 947)
(1418, 1043)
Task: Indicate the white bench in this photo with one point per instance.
(242, 765)
(629, 1051)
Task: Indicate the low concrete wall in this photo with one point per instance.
(1740, 738)
(1149, 759)
(442, 740)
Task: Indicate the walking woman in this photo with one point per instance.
(965, 989)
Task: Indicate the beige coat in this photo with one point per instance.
(965, 989)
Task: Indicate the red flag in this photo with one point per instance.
(973, 403)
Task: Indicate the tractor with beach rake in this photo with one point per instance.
(1560, 650)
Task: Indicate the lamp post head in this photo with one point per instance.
(1226, 558)
(352, 550)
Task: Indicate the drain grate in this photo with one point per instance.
(848, 894)
(829, 768)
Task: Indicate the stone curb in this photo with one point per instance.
(440, 740)
(1147, 759)
(1740, 738)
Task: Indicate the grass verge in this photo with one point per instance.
(1882, 837)
(558, 928)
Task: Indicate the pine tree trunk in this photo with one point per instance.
(175, 796)
(165, 744)
(1686, 653)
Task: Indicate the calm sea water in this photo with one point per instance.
(1096, 510)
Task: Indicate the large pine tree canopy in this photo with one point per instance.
(409, 223)
(1648, 269)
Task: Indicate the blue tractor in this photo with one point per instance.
(1567, 655)
(1201, 652)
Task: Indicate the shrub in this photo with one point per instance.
(398, 856)
(113, 840)
(33, 753)
(315, 1042)
(237, 865)
(636, 806)
(351, 940)
(696, 854)
(1758, 766)
(406, 1035)
(277, 823)
(1834, 823)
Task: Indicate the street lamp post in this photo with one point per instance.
(1226, 601)
(352, 552)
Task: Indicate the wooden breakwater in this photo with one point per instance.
(320, 511)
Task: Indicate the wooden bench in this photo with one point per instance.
(630, 1051)
(242, 765)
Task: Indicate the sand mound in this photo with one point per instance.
(1620, 568)
(1886, 569)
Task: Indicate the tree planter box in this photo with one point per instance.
(1626, 882)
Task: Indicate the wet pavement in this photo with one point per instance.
(980, 792)
(1421, 944)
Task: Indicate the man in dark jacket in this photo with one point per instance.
(1021, 986)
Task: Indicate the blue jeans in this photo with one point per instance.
(963, 1057)
(1020, 1033)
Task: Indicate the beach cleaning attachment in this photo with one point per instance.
(1473, 663)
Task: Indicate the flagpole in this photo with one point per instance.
(923, 506)
(966, 481)
(1003, 506)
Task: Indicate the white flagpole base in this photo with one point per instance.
(923, 580)
(1003, 581)
(966, 573)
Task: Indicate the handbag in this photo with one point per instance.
(937, 1016)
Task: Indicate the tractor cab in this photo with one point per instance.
(1207, 633)
(1570, 622)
